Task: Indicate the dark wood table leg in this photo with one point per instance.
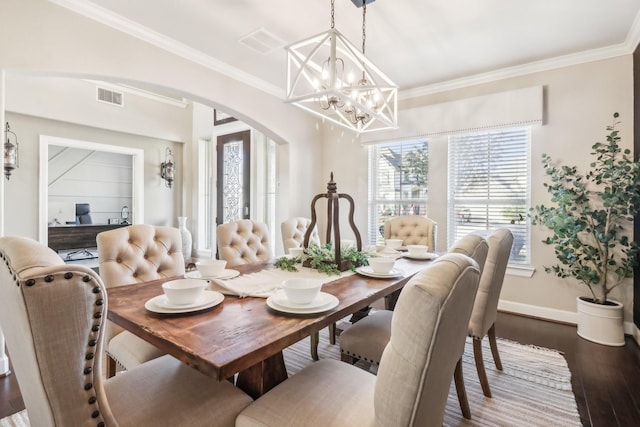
(263, 376)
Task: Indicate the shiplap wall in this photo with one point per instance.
(104, 180)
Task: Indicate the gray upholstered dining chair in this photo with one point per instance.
(485, 308)
(412, 230)
(243, 242)
(134, 254)
(412, 384)
(53, 316)
(367, 338)
(293, 231)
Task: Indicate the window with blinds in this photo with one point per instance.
(489, 186)
(398, 183)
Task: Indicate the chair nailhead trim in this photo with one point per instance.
(30, 282)
(99, 302)
(68, 275)
(92, 343)
(49, 278)
(89, 356)
(92, 400)
(97, 315)
(88, 370)
(95, 414)
(95, 328)
(100, 424)
(96, 290)
(88, 386)
(86, 278)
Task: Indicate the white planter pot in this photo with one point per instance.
(599, 323)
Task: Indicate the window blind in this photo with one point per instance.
(489, 186)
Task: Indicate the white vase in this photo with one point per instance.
(186, 237)
(602, 324)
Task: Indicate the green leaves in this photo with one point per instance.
(591, 216)
(322, 258)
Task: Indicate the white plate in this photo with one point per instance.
(428, 255)
(330, 302)
(226, 274)
(160, 304)
(367, 271)
(322, 299)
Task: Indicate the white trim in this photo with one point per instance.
(537, 311)
(138, 177)
(563, 316)
(140, 92)
(520, 270)
(127, 26)
(105, 16)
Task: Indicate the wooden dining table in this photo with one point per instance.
(243, 335)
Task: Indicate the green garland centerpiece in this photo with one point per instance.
(322, 258)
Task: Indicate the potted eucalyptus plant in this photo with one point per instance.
(590, 218)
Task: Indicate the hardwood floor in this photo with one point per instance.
(606, 380)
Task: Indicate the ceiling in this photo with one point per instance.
(422, 45)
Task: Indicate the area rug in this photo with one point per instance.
(534, 389)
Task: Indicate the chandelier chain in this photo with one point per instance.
(364, 35)
(332, 15)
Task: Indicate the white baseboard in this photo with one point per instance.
(4, 365)
(557, 315)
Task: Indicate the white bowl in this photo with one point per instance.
(211, 267)
(183, 291)
(382, 264)
(417, 250)
(301, 291)
(296, 252)
(393, 243)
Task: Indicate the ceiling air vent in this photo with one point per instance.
(262, 41)
(110, 97)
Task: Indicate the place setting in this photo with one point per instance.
(420, 253)
(301, 296)
(210, 269)
(381, 267)
(184, 296)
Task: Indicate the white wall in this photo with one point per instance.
(44, 39)
(579, 104)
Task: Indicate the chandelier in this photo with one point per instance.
(330, 77)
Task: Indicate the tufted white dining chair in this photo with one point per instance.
(128, 255)
(53, 316)
(243, 242)
(411, 388)
(367, 338)
(412, 230)
(293, 231)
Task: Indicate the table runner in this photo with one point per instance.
(265, 283)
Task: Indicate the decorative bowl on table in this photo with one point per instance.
(382, 264)
(417, 250)
(183, 291)
(211, 267)
(301, 291)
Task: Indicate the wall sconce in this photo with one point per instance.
(10, 152)
(167, 168)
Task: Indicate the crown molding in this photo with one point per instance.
(120, 23)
